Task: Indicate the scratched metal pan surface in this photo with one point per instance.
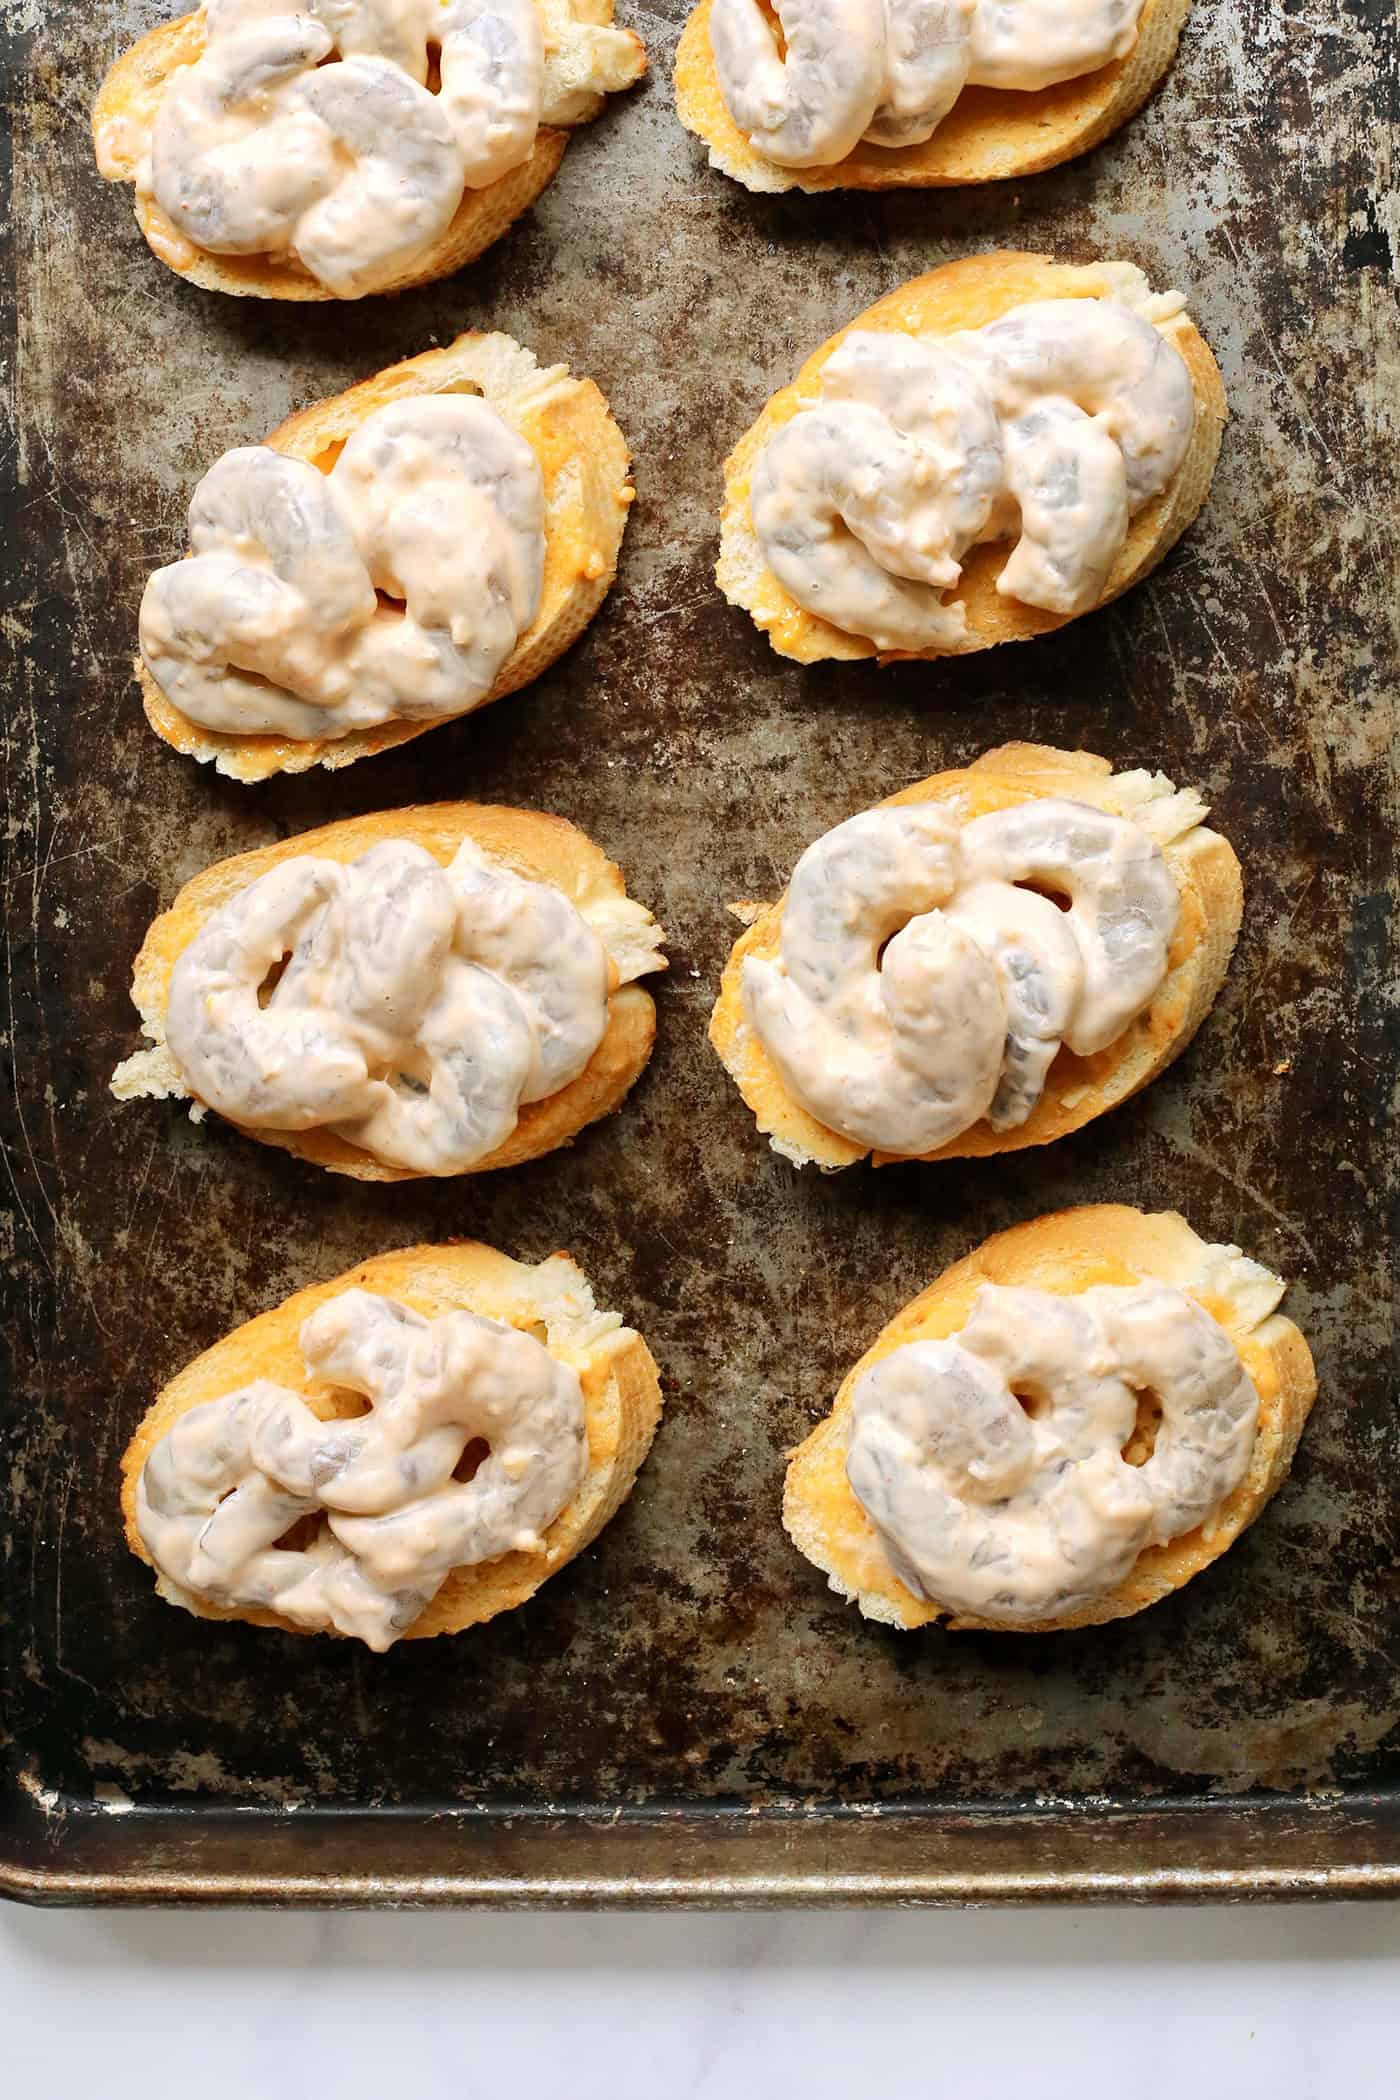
(687, 1714)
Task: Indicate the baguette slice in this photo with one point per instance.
(1066, 1252)
(588, 493)
(989, 135)
(969, 294)
(621, 1391)
(543, 848)
(124, 116)
(1078, 1088)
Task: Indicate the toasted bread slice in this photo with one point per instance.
(989, 135)
(542, 848)
(1078, 1088)
(969, 294)
(621, 1392)
(124, 116)
(588, 490)
(1066, 1252)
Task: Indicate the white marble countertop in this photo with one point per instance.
(1260, 2004)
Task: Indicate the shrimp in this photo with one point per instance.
(1029, 44)
(416, 1009)
(1124, 901)
(492, 80)
(1067, 476)
(1075, 380)
(1102, 358)
(454, 1095)
(275, 623)
(902, 452)
(1053, 426)
(928, 52)
(986, 1510)
(210, 1520)
(811, 106)
(465, 1375)
(235, 160)
(923, 984)
(883, 575)
(1036, 958)
(522, 1006)
(933, 399)
(889, 71)
(376, 964)
(241, 635)
(288, 1066)
(355, 168)
(529, 934)
(403, 184)
(1172, 1347)
(422, 481)
(223, 1485)
(883, 1017)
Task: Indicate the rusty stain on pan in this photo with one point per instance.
(686, 1713)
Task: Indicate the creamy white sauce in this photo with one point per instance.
(1053, 426)
(392, 588)
(417, 1010)
(918, 989)
(1017, 1515)
(889, 71)
(222, 1487)
(264, 146)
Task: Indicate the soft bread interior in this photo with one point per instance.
(584, 459)
(1078, 1088)
(125, 112)
(554, 1301)
(1066, 1252)
(543, 848)
(969, 294)
(990, 134)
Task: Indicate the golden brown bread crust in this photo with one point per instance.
(122, 120)
(967, 294)
(1078, 1089)
(621, 1391)
(1065, 1252)
(989, 135)
(544, 848)
(588, 492)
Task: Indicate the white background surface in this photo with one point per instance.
(1292, 2004)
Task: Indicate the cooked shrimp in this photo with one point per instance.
(809, 107)
(1018, 1518)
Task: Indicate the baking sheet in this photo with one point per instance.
(687, 1713)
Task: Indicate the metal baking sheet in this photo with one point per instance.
(687, 1714)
